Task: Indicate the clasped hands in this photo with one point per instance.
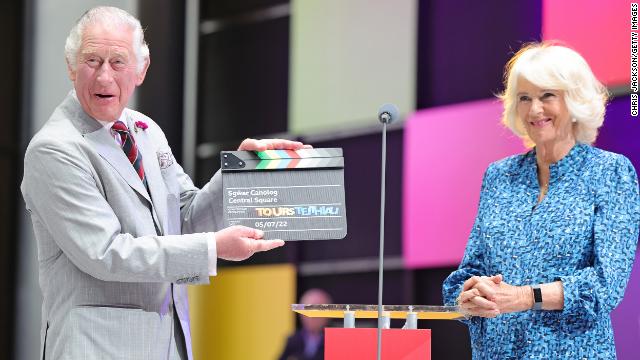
(490, 296)
(240, 242)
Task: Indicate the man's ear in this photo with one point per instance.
(143, 72)
(70, 71)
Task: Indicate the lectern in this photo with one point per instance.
(350, 343)
(381, 343)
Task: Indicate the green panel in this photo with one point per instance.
(348, 58)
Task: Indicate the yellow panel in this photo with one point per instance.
(244, 314)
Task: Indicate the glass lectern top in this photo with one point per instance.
(430, 312)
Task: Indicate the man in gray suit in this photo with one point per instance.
(121, 229)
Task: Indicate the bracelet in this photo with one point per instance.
(537, 297)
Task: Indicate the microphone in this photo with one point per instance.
(388, 113)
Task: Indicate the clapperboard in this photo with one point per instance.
(290, 195)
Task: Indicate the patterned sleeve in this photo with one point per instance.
(599, 288)
(473, 261)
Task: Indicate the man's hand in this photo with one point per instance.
(271, 144)
(240, 242)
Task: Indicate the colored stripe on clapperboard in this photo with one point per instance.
(298, 159)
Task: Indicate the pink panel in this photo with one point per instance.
(446, 151)
(599, 30)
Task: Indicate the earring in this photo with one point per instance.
(574, 120)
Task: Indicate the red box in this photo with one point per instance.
(361, 344)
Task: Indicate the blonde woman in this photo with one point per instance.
(553, 244)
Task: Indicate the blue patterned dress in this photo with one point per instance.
(583, 233)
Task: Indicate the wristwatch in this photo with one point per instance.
(537, 297)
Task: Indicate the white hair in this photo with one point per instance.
(551, 66)
(110, 17)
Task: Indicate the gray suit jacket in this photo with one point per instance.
(113, 265)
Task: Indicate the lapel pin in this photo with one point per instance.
(141, 125)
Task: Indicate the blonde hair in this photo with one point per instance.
(552, 66)
(112, 17)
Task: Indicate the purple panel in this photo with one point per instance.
(621, 134)
(362, 191)
(463, 46)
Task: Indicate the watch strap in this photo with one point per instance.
(537, 297)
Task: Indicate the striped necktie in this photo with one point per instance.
(130, 149)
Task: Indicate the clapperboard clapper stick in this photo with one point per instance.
(288, 194)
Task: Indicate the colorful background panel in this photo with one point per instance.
(598, 30)
(620, 134)
(447, 149)
(245, 313)
(347, 58)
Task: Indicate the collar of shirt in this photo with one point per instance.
(109, 124)
(572, 161)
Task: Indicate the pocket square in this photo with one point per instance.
(165, 159)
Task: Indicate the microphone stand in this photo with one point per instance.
(381, 260)
(387, 114)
